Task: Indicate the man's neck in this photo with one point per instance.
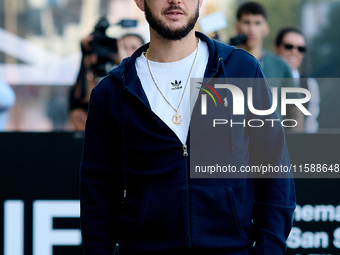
(257, 52)
(164, 51)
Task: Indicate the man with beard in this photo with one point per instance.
(137, 196)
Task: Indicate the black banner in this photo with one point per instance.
(39, 194)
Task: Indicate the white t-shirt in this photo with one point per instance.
(171, 79)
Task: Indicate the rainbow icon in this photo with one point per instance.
(209, 93)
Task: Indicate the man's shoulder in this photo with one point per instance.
(235, 54)
(243, 56)
(274, 59)
(112, 80)
(107, 87)
(275, 66)
(229, 54)
(240, 63)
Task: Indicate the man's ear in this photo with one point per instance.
(200, 3)
(276, 49)
(266, 31)
(140, 4)
(237, 27)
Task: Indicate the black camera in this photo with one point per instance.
(105, 47)
(238, 40)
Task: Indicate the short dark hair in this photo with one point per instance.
(285, 30)
(251, 8)
(135, 35)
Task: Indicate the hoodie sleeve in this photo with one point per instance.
(274, 196)
(97, 179)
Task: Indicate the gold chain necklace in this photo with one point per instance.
(176, 119)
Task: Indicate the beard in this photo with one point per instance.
(166, 32)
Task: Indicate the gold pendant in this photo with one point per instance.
(176, 119)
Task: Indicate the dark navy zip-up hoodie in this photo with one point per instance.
(136, 189)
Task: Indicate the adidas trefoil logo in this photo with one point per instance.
(176, 85)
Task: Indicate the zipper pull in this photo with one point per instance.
(115, 252)
(185, 150)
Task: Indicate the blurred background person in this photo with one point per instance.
(290, 44)
(86, 80)
(128, 44)
(91, 72)
(252, 22)
(7, 100)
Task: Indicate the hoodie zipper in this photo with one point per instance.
(115, 252)
(185, 150)
(185, 155)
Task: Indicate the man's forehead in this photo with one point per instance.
(252, 17)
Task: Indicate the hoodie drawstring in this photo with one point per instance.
(229, 99)
(121, 116)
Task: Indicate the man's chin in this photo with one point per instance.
(176, 29)
(253, 45)
(175, 25)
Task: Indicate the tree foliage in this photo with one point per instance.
(325, 50)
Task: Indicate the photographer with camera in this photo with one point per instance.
(100, 54)
(86, 80)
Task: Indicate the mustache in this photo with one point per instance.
(173, 8)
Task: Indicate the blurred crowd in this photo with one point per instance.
(91, 72)
(282, 67)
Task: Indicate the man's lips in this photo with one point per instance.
(174, 13)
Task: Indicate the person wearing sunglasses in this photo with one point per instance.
(290, 44)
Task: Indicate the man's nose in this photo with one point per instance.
(175, 1)
(252, 27)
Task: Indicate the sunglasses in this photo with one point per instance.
(301, 49)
